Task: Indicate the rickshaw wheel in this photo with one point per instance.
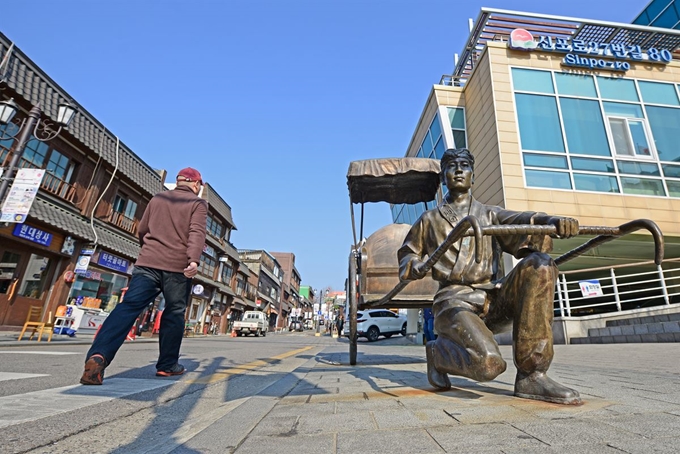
(353, 302)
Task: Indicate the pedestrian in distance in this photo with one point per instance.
(172, 235)
(428, 324)
(475, 301)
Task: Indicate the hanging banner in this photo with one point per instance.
(21, 195)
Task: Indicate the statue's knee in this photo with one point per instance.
(491, 367)
(539, 262)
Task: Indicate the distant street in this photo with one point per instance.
(134, 411)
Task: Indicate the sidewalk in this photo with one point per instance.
(385, 404)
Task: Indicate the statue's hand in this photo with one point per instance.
(418, 270)
(566, 227)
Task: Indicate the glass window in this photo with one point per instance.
(439, 149)
(575, 85)
(98, 285)
(671, 171)
(545, 160)
(594, 165)
(673, 188)
(427, 144)
(658, 93)
(539, 125)
(546, 179)
(227, 273)
(584, 127)
(620, 109)
(130, 209)
(668, 19)
(664, 122)
(654, 8)
(207, 266)
(59, 166)
(629, 137)
(532, 80)
(615, 88)
(638, 168)
(33, 283)
(8, 270)
(642, 186)
(598, 183)
(119, 203)
(35, 152)
(457, 117)
(459, 139)
(435, 128)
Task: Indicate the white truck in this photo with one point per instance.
(253, 322)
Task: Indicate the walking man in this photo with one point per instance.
(474, 300)
(172, 236)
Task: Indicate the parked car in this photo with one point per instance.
(374, 323)
(295, 325)
(253, 322)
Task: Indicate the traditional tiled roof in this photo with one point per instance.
(25, 78)
(79, 226)
(218, 204)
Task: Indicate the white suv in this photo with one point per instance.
(374, 323)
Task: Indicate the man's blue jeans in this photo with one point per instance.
(146, 284)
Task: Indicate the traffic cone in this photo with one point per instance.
(233, 333)
(131, 335)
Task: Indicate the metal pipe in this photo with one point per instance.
(33, 118)
(615, 287)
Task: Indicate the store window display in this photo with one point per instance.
(97, 285)
(33, 283)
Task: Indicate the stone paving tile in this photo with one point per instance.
(664, 445)
(312, 409)
(466, 438)
(650, 425)
(301, 444)
(569, 432)
(580, 449)
(401, 418)
(387, 441)
(275, 425)
(344, 422)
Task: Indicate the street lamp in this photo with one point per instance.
(41, 131)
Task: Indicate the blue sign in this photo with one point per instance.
(32, 234)
(113, 262)
(590, 54)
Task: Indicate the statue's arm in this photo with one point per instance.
(411, 253)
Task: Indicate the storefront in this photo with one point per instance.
(31, 256)
(102, 283)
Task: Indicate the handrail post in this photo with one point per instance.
(615, 287)
(559, 297)
(663, 285)
(566, 295)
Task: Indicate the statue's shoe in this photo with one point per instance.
(538, 386)
(437, 379)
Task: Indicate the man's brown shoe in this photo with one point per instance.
(539, 386)
(94, 370)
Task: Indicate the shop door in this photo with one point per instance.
(23, 283)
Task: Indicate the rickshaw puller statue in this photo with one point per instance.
(474, 301)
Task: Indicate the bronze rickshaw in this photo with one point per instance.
(373, 280)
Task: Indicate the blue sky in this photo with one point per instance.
(269, 99)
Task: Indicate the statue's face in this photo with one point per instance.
(458, 175)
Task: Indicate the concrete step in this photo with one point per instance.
(627, 339)
(643, 320)
(636, 329)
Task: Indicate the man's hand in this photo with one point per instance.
(566, 227)
(191, 270)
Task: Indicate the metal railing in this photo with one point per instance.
(618, 289)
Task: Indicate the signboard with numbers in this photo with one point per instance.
(590, 54)
(21, 195)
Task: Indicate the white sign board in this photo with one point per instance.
(21, 195)
(590, 288)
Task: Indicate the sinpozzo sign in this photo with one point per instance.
(589, 54)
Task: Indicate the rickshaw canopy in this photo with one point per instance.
(393, 180)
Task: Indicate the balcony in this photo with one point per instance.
(50, 183)
(125, 223)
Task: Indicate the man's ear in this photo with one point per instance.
(473, 179)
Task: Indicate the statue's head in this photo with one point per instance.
(453, 153)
